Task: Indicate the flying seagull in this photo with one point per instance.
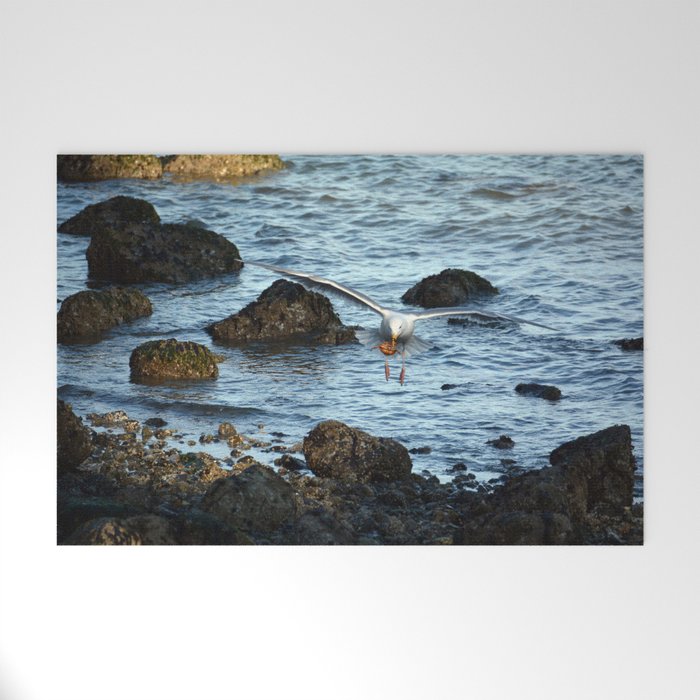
(395, 332)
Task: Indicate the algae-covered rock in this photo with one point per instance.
(172, 359)
(284, 310)
(542, 391)
(86, 168)
(112, 213)
(333, 449)
(451, 287)
(174, 253)
(89, 313)
(220, 167)
(74, 443)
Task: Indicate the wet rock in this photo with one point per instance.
(459, 467)
(114, 419)
(88, 314)
(74, 442)
(630, 343)
(220, 167)
(112, 213)
(447, 387)
(172, 253)
(74, 510)
(198, 527)
(543, 391)
(227, 430)
(155, 422)
(451, 287)
(87, 168)
(140, 529)
(333, 449)
(172, 359)
(420, 450)
(253, 500)
(504, 442)
(320, 527)
(291, 463)
(284, 310)
(556, 505)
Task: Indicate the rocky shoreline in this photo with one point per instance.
(127, 484)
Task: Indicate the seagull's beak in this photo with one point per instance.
(394, 337)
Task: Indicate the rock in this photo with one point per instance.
(155, 422)
(320, 527)
(630, 343)
(290, 463)
(74, 442)
(195, 526)
(420, 450)
(502, 443)
(589, 476)
(74, 510)
(112, 213)
(447, 387)
(543, 391)
(220, 167)
(86, 168)
(172, 359)
(284, 310)
(451, 287)
(173, 253)
(88, 314)
(459, 467)
(254, 500)
(333, 449)
(140, 529)
(227, 430)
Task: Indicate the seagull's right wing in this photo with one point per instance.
(456, 311)
(352, 294)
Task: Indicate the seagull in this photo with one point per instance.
(395, 332)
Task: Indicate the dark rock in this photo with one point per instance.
(227, 430)
(172, 359)
(285, 309)
(172, 253)
(420, 450)
(220, 167)
(74, 510)
(112, 213)
(156, 422)
(333, 449)
(543, 391)
(291, 463)
(630, 343)
(556, 505)
(74, 441)
(320, 527)
(447, 387)
(88, 314)
(198, 527)
(502, 443)
(459, 467)
(254, 500)
(449, 288)
(87, 168)
(140, 529)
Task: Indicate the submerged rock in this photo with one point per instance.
(590, 476)
(172, 359)
(505, 442)
(254, 500)
(90, 313)
(630, 343)
(74, 442)
(220, 167)
(172, 253)
(451, 287)
(112, 213)
(543, 391)
(333, 449)
(86, 168)
(284, 310)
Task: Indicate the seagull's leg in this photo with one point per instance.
(386, 368)
(402, 376)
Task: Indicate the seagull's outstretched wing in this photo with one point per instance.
(333, 286)
(456, 311)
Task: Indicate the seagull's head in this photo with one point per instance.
(396, 327)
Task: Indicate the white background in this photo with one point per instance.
(437, 76)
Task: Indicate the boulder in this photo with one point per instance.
(254, 500)
(220, 167)
(284, 310)
(542, 391)
(630, 343)
(451, 287)
(86, 168)
(333, 449)
(172, 359)
(589, 476)
(504, 442)
(89, 313)
(74, 442)
(139, 529)
(112, 213)
(173, 253)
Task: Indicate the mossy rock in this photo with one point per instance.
(220, 167)
(87, 314)
(172, 359)
(87, 168)
(112, 213)
(74, 442)
(452, 287)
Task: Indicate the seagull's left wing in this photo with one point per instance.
(456, 311)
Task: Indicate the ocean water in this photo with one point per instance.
(560, 236)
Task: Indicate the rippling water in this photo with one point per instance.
(560, 236)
